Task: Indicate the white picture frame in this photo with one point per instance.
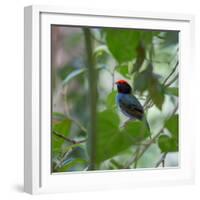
(37, 155)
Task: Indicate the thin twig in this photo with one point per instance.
(136, 159)
(157, 61)
(113, 79)
(150, 142)
(144, 149)
(165, 85)
(161, 160)
(126, 122)
(161, 37)
(163, 163)
(78, 124)
(170, 74)
(68, 139)
(98, 40)
(67, 112)
(59, 164)
(172, 81)
(148, 99)
(116, 164)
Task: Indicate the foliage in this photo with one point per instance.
(148, 60)
(112, 140)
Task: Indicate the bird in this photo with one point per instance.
(128, 103)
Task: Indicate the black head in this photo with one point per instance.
(123, 87)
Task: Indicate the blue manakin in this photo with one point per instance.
(128, 103)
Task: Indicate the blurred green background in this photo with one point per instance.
(148, 60)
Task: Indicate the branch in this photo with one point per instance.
(157, 61)
(92, 75)
(171, 73)
(162, 160)
(136, 158)
(113, 79)
(68, 139)
(59, 163)
(145, 105)
(116, 164)
(172, 81)
(96, 39)
(67, 112)
(78, 124)
(165, 85)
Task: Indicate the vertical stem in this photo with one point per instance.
(113, 79)
(136, 156)
(163, 161)
(92, 75)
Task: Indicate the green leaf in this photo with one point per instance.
(156, 91)
(130, 68)
(111, 140)
(100, 49)
(77, 73)
(140, 57)
(73, 74)
(172, 125)
(122, 43)
(63, 127)
(167, 144)
(56, 144)
(148, 80)
(137, 129)
(172, 91)
(109, 120)
(110, 101)
(101, 53)
(72, 162)
(107, 135)
(142, 79)
(123, 70)
(58, 116)
(147, 37)
(63, 71)
(170, 38)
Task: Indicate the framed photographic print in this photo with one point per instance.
(106, 99)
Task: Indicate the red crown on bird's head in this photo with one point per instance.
(123, 87)
(121, 82)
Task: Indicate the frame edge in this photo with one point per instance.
(31, 185)
(28, 99)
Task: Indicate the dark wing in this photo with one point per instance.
(130, 105)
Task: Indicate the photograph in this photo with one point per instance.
(114, 99)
